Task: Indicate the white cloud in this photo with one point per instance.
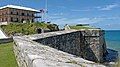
(83, 20)
(58, 14)
(61, 6)
(109, 7)
(54, 17)
(76, 10)
(88, 20)
(77, 21)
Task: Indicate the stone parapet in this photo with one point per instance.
(88, 44)
(32, 54)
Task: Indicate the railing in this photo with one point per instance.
(18, 15)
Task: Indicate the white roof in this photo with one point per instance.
(19, 7)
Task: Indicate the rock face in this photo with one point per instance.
(51, 49)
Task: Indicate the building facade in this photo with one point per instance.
(11, 13)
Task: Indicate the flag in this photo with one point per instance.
(42, 11)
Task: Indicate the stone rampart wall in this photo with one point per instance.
(59, 49)
(88, 44)
(32, 54)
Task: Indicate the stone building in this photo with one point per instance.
(12, 13)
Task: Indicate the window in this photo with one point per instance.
(11, 19)
(23, 14)
(32, 14)
(2, 19)
(22, 20)
(11, 13)
(28, 20)
(6, 12)
(15, 19)
(28, 14)
(6, 19)
(32, 20)
(17, 13)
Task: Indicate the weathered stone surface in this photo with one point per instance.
(33, 54)
(89, 44)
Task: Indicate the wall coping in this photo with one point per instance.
(46, 56)
(56, 33)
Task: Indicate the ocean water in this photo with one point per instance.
(113, 40)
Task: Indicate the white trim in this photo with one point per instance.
(19, 7)
(3, 23)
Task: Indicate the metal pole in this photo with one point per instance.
(46, 6)
(42, 17)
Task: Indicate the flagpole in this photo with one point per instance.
(46, 6)
(44, 12)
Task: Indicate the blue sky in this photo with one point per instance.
(100, 13)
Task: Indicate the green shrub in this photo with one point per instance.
(26, 28)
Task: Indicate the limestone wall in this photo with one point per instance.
(94, 45)
(89, 44)
(32, 54)
(69, 42)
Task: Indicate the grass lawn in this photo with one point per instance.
(7, 57)
(81, 27)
